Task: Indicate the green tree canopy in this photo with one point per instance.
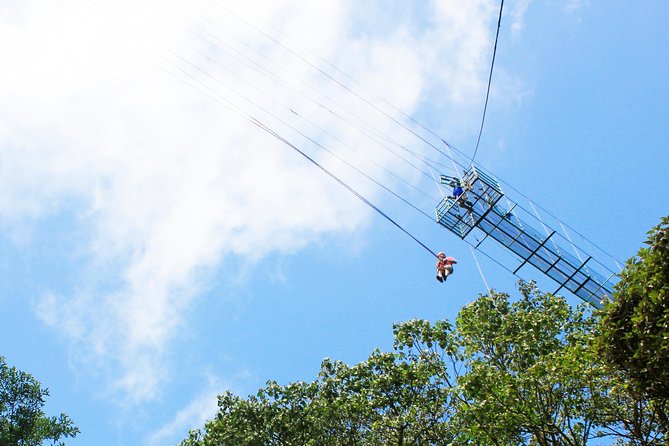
(22, 420)
(526, 371)
(523, 372)
(389, 399)
(635, 327)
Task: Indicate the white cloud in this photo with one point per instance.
(461, 44)
(192, 416)
(517, 15)
(166, 182)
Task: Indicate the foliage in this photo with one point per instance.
(635, 328)
(395, 398)
(391, 398)
(527, 375)
(523, 372)
(630, 417)
(22, 420)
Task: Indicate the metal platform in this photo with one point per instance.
(479, 208)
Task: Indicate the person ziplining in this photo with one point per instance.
(444, 266)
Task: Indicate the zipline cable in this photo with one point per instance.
(487, 95)
(282, 121)
(470, 160)
(260, 69)
(341, 182)
(309, 121)
(448, 145)
(250, 118)
(485, 282)
(265, 72)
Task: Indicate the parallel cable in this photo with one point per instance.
(427, 129)
(429, 163)
(451, 157)
(221, 100)
(282, 121)
(312, 123)
(470, 160)
(265, 72)
(338, 82)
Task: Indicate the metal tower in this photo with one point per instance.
(479, 209)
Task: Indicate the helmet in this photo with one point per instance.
(441, 254)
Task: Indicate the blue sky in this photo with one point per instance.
(157, 249)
